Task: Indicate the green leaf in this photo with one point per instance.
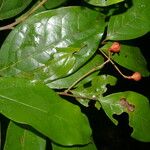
(38, 106)
(131, 58)
(97, 89)
(103, 2)
(131, 24)
(10, 8)
(69, 80)
(90, 146)
(52, 44)
(1, 1)
(138, 108)
(19, 138)
(54, 3)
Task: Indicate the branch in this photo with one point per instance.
(114, 65)
(87, 74)
(23, 17)
(75, 96)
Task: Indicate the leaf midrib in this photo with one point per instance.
(24, 104)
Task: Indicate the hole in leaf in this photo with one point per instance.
(123, 123)
(86, 85)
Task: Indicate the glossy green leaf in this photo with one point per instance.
(52, 44)
(10, 8)
(54, 3)
(97, 88)
(131, 24)
(131, 58)
(138, 108)
(103, 2)
(37, 105)
(19, 138)
(90, 146)
(68, 81)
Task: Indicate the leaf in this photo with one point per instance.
(19, 138)
(52, 44)
(90, 146)
(97, 89)
(55, 3)
(138, 108)
(130, 57)
(1, 1)
(10, 8)
(103, 2)
(69, 80)
(38, 106)
(131, 24)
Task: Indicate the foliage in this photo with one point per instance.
(54, 61)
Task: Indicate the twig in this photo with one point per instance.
(108, 57)
(86, 74)
(75, 96)
(23, 17)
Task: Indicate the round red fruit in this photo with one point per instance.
(136, 76)
(115, 47)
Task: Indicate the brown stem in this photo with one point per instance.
(119, 71)
(86, 74)
(23, 17)
(75, 96)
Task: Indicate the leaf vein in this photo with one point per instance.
(21, 103)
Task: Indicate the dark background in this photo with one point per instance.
(106, 135)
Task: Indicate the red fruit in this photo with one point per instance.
(136, 76)
(115, 47)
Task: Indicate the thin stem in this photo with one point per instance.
(108, 57)
(23, 17)
(126, 77)
(86, 74)
(75, 96)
